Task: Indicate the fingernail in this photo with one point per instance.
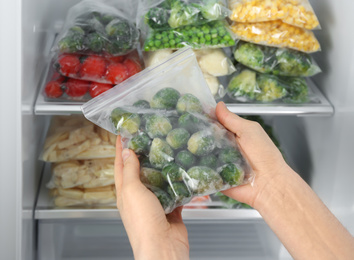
(125, 154)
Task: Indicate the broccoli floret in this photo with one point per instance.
(177, 138)
(189, 103)
(165, 99)
(140, 143)
(231, 174)
(271, 88)
(201, 143)
(142, 104)
(183, 14)
(249, 55)
(179, 192)
(189, 122)
(294, 63)
(243, 85)
(186, 159)
(212, 10)
(203, 180)
(208, 161)
(125, 121)
(157, 18)
(297, 90)
(95, 42)
(160, 153)
(157, 126)
(152, 177)
(73, 41)
(229, 155)
(171, 172)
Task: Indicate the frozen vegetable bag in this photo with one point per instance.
(166, 115)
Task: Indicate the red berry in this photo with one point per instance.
(53, 89)
(76, 87)
(98, 88)
(69, 64)
(133, 66)
(94, 67)
(116, 73)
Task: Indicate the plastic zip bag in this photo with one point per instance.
(277, 61)
(164, 15)
(294, 12)
(166, 115)
(93, 27)
(250, 86)
(277, 34)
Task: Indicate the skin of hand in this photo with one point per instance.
(152, 234)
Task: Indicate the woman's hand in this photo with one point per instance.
(152, 234)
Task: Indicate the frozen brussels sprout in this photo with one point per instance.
(243, 85)
(201, 143)
(166, 202)
(208, 161)
(231, 174)
(189, 122)
(177, 138)
(125, 121)
(165, 99)
(160, 153)
(186, 159)
(152, 177)
(172, 172)
(140, 143)
(189, 103)
(203, 180)
(157, 126)
(229, 155)
(142, 104)
(144, 162)
(179, 192)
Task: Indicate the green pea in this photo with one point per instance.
(172, 42)
(227, 37)
(165, 39)
(166, 45)
(157, 43)
(146, 48)
(202, 40)
(158, 36)
(208, 37)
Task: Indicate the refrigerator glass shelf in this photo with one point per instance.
(207, 211)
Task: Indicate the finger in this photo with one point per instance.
(118, 165)
(131, 169)
(175, 216)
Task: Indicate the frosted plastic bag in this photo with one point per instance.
(106, 70)
(277, 61)
(162, 14)
(75, 138)
(214, 34)
(82, 174)
(93, 27)
(250, 86)
(277, 34)
(103, 196)
(294, 12)
(166, 115)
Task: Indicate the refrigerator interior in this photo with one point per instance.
(320, 148)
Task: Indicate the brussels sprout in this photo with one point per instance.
(189, 103)
(157, 126)
(231, 174)
(125, 121)
(144, 162)
(179, 192)
(201, 143)
(152, 177)
(189, 122)
(160, 153)
(229, 155)
(203, 180)
(165, 99)
(142, 104)
(186, 159)
(171, 172)
(208, 161)
(177, 138)
(243, 85)
(140, 143)
(166, 202)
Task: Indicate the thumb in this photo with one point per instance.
(131, 166)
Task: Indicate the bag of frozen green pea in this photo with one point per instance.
(165, 114)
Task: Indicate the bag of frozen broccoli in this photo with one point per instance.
(93, 27)
(248, 85)
(277, 61)
(165, 114)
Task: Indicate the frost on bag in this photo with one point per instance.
(277, 61)
(250, 86)
(294, 12)
(277, 34)
(166, 115)
(93, 27)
